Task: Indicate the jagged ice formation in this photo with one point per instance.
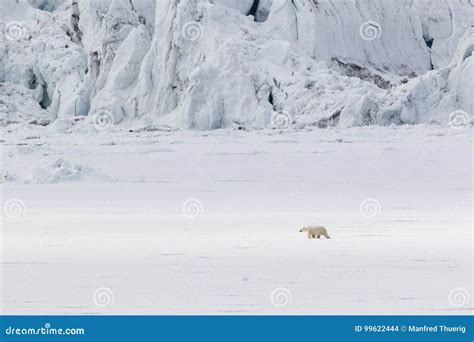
(212, 64)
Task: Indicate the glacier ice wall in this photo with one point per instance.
(197, 64)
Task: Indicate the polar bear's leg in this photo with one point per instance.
(319, 236)
(309, 235)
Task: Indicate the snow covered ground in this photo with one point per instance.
(207, 222)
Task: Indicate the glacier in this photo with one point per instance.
(245, 64)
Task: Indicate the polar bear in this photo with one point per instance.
(314, 231)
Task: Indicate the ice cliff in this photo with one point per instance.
(236, 63)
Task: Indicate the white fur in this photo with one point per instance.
(315, 231)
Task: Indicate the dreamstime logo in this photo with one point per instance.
(456, 34)
(103, 297)
(459, 119)
(192, 208)
(192, 31)
(103, 119)
(459, 297)
(370, 208)
(14, 30)
(278, 33)
(370, 30)
(280, 297)
(14, 207)
(281, 120)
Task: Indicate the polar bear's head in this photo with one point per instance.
(304, 229)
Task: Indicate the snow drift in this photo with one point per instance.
(61, 170)
(248, 64)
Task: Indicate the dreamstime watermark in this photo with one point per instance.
(459, 119)
(281, 297)
(103, 119)
(192, 208)
(277, 35)
(14, 30)
(190, 121)
(46, 330)
(192, 31)
(370, 30)
(281, 120)
(14, 207)
(456, 34)
(370, 208)
(103, 297)
(458, 297)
